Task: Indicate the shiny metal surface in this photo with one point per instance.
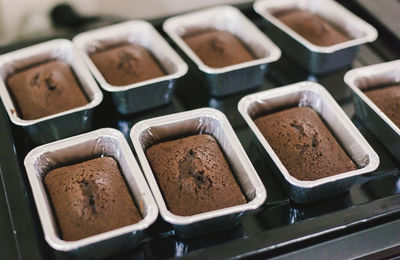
(143, 95)
(317, 59)
(60, 125)
(102, 142)
(210, 121)
(234, 78)
(313, 95)
(377, 122)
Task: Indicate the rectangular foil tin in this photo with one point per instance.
(206, 121)
(316, 59)
(63, 124)
(313, 95)
(142, 95)
(377, 122)
(234, 78)
(102, 142)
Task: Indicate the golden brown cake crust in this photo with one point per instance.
(45, 89)
(126, 64)
(388, 100)
(304, 144)
(193, 175)
(312, 27)
(90, 198)
(218, 48)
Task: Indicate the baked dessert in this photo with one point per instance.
(126, 64)
(387, 98)
(89, 198)
(218, 48)
(312, 27)
(45, 89)
(304, 144)
(193, 175)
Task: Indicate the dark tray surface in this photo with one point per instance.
(278, 226)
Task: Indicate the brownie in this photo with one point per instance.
(312, 27)
(45, 89)
(126, 64)
(218, 48)
(304, 144)
(194, 175)
(89, 198)
(387, 98)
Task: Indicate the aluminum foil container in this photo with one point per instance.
(199, 121)
(102, 142)
(317, 59)
(234, 78)
(313, 95)
(376, 121)
(142, 95)
(60, 125)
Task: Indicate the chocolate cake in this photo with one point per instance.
(312, 27)
(126, 64)
(193, 175)
(45, 89)
(387, 98)
(218, 48)
(89, 198)
(304, 144)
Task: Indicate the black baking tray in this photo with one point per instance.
(278, 227)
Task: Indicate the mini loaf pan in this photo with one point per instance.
(200, 121)
(377, 122)
(142, 95)
(315, 96)
(102, 142)
(60, 125)
(316, 59)
(234, 78)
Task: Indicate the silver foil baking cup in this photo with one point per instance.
(376, 121)
(316, 59)
(60, 125)
(315, 96)
(102, 142)
(200, 121)
(234, 78)
(142, 95)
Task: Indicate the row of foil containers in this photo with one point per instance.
(155, 92)
(111, 142)
(140, 96)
